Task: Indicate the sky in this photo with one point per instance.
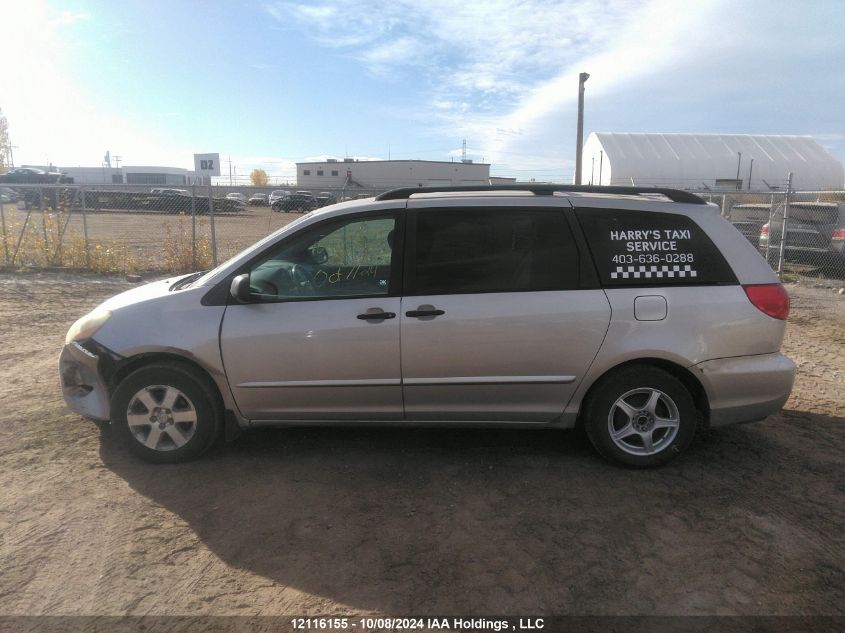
(272, 82)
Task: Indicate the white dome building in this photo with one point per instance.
(710, 161)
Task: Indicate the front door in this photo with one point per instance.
(321, 338)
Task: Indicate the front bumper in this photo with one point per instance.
(745, 388)
(84, 390)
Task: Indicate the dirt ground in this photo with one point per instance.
(403, 522)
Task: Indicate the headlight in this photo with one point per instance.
(87, 326)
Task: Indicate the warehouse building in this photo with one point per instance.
(710, 162)
(386, 174)
(129, 175)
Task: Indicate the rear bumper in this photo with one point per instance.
(745, 388)
(84, 390)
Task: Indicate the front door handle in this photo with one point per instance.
(432, 312)
(377, 316)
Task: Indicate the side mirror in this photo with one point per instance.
(240, 289)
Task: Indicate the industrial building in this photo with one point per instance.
(710, 162)
(386, 174)
(129, 175)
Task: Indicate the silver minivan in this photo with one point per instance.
(638, 314)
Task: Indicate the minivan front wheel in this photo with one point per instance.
(641, 416)
(165, 413)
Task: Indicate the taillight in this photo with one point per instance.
(764, 230)
(838, 234)
(770, 299)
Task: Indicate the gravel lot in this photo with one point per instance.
(414, 521)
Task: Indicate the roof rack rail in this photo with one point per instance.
(675, 195)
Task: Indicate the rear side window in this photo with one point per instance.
(640, 248)
(490, 250)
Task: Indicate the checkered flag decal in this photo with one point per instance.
(652, 272)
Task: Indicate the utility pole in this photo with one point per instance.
(230, 170)
(601, 162)
(750, 171)
(117, 161)
(464, 152)
(738, 165)
(579, 141)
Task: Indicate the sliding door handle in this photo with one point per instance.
(377, 316)
(424, 313)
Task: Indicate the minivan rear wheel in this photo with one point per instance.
(641, 416)
(166, 413)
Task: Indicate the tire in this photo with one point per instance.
(639, 403)
(772, 258)
(188, 416)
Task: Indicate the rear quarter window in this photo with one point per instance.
(641, 248)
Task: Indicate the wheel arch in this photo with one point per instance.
(128, 365)
(687, 378)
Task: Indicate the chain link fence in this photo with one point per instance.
(798, 232)
(128, 229)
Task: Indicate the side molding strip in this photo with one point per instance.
(415, 382)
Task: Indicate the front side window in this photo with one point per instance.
(349, 258)
(490, 250)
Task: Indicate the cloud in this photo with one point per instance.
(490, 69)
(382, 58)
(69, 17)
(503, 73)
(495, 46)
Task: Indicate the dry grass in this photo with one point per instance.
(44, 239)
(178, 253)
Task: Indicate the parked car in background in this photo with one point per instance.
(299, 201)
(159, 191)
(325, 198)
(164, 199)
(7, 194)
(21, 172)
(749, 219)
(34, 176)
(277, 195)
(258, 200)
(640, 315)
(236, 196)
(815, 235)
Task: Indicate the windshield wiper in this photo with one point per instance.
(187, 281)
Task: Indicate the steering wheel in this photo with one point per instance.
(301, 280)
